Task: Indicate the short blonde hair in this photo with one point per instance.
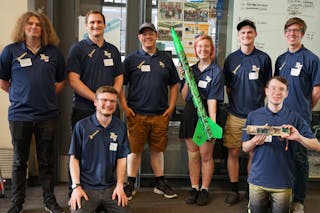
(48, 33)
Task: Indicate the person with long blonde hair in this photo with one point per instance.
(32, 71)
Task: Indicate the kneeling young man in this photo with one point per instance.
(271, 173)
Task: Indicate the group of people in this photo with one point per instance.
(105, 153)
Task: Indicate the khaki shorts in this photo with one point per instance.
(233, 131)
(151, 128)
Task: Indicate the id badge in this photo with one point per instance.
(295, 72)
(113, 146)
(108, 62)
(145, 68)
(26, 62)
(202, 84)
(253, 76)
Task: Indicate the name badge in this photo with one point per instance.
(268, 139)
(202, 84)
(253, 76)
(26, 62)
(295, 72)
(145, 68)
(113, 147)
(108, 62)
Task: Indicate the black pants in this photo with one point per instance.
(21, 133)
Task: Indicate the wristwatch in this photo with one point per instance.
(75, 185)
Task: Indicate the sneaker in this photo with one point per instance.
(15, 208)
(193, 196)
(164, 189)
(203, 198)
(53, 207)
(296, 207)
(129, 190)
(232, 198)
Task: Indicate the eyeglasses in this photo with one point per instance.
(112, 101)
(293, 30)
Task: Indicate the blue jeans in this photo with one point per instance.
(301, 172)
(260, 198)
(21, 133)
(100, 198)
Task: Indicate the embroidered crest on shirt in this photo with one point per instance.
(298, 65)
(106, 53)
(236, 69)
(139, 66)
(91, 136)
(21, 56)
(91, 53)
(208, 79)
(113, 136)
(44, 57)
(161, 64)
(255, 68)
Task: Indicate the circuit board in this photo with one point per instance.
(267, 130)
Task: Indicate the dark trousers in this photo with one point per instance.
(21, 133)
(301, 172)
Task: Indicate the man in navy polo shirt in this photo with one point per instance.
(247, 71)
(92, 62)
(98, 151)
(301, 68)
(149, 73)
(32, 71)
(271, 175)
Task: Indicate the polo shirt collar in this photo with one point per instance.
(142, 52)
(89, 42)
(252, 53)
(279, 113)
(96, 122)
(299, 50)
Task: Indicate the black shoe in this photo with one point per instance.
(15, 208)
(193, 196)
(232, 198)
(53, 207)
(164, 189)
(129, 190)
(203, 198)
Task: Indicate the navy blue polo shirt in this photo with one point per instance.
(272, 166)
(148, 78)
(246, 76)
(97, 66)
(97, 149)
(32, 80)
(210, 82)
(302, 71)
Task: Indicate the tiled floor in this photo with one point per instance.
(145, 201)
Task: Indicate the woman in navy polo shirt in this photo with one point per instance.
(209, 79)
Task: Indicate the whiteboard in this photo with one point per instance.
(270, 17)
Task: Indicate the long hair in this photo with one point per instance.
(48, 33)
(200, 38)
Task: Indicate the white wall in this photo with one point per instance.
(9, 13)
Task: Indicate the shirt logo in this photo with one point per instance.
(44, 57)
(113, 136)
(208, 79)
(107, 54)
(255, 68)
(161, 64)
(140, 65)
(236, 69)
(91, 136)
(298, 65)
(91, 53)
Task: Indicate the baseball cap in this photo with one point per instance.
(147, 25)
(246, 22)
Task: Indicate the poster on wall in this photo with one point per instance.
(189, 18)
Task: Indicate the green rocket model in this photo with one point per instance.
(206, 129)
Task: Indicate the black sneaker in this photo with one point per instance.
(53, 207)
(232, 198)
(164, 189)
(203, 198)
(129, 190)
(15, 208)
(193, 196)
